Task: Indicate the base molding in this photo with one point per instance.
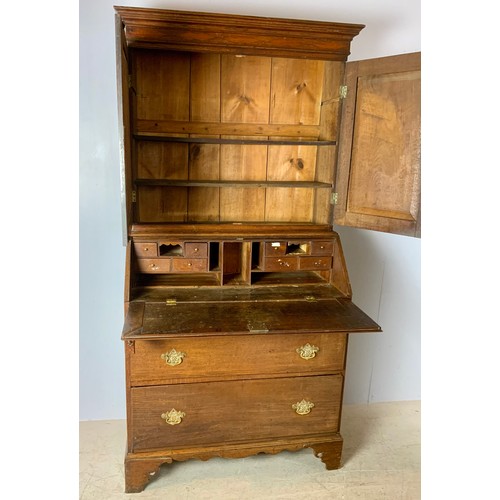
(141, 467)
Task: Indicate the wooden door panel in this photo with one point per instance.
(378, 180)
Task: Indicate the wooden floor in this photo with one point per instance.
(381, 460)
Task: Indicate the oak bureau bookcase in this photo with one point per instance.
(243, 139)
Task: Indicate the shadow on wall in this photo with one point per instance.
(384, 271)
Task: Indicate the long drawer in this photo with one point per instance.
(242, 410)
(182, 359)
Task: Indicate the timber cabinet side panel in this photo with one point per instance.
(378, 180)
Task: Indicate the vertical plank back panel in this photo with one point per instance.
(245, 89)
(162, 204)
(297, 86)
(160, 160)
(289, 204)
(204, 159)
(162, 85)
(291, 163)
(162, 93)
(245, 92)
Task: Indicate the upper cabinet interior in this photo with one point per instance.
(229, 120)
(229, 138)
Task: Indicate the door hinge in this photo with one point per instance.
(335, 198)
(130, 84)
(171, 302)
(134, 197)
(343, 91)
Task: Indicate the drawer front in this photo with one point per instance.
(321, 247)
(275, 248)
(223, 412)
(189, 265)
(280, 264)
(168, 361)
(195, 250)
(314, 263)
(145, 249)
(153, 265)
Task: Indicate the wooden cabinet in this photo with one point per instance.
(237, 297)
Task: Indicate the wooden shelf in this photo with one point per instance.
(229, 184)
(162, 128)
(214, 140)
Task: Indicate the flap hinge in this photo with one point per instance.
(335, 198)
(343, 91)
(134, 197)
(171, 302)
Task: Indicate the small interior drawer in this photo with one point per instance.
(185, 265)
(145, 249)
(321, 247)
(314, 263)
(196, 250)
(152, 266)
(280, 264)
(275, 248)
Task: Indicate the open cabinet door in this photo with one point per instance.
(378, 176)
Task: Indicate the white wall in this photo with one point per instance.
(384, 269)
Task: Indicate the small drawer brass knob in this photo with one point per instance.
(307, 351)
(303, 407)
(173, 358)
(173, 417)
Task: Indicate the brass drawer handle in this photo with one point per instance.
(307, 351)
(173, 417)
(303, 407)
(173, 358)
